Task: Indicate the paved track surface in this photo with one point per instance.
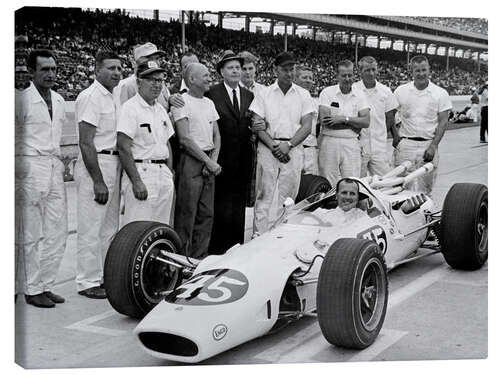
(434, 312)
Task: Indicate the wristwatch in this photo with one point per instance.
(289, 144)
(346, 119)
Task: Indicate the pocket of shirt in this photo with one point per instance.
(146, 134)
(108, 121)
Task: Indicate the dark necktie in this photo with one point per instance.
(236, 106)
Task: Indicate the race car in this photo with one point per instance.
(308, 263)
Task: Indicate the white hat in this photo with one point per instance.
(146, 50)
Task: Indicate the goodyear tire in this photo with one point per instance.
(464, 226)
(311, 184)
(134, 280)
(352, 293)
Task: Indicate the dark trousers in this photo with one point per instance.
(194, 206)
(229, 216)
(484, 123)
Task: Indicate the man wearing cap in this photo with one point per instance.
(97, 175)
(282, 118)
(198, 133)
(383, 104)
(144, 129)
(128, 86)
(304, 79)
(424, 109)
(343, 112)
(41, 210)
(235, 157)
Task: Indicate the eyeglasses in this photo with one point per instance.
(157, 81)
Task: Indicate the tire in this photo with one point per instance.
(351, 270)
(311, 184)
(464, 226)
(132, 278)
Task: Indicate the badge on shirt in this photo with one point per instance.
(164, 123)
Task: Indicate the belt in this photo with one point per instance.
(418, 139)
(282, 139)
(309, 146)
(160, 161)
(107, 152)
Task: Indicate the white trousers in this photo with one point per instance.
(374, 162)
(311, 160)
(414, 152)
(97, 223)
(271, 175)
(41, 222)
(158, 206)
(339, 158)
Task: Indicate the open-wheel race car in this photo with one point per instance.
(309, 262)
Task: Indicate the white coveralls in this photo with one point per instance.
(373, 140)
(41, 208)
(339, 149)
(96, 223)
(150, 128)
(419, 111)
(283, 114)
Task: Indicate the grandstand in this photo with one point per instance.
(76, 34)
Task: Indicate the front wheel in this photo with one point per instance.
(135, 277)
(352, 293)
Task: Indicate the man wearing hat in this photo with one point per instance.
(198, 134)
(288, 110)
(128, 86)
(144, 129)
(235, 157)
(97, 175)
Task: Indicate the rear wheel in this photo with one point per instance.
(352, 293)
(311, 184)
(135, 277)
(464, 226)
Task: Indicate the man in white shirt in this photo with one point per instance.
(41, 210)
(424, 109)
(198, 134)
(282, 118)
(343, 112)
(144, 130)
(383, 105)
(97, 173)
(304, 78)
(483, 101)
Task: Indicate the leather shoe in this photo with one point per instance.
(95, 292)
(39, 300)
(54, 297)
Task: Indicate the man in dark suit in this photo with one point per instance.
(231, 102)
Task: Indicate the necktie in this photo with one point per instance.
(236, 106)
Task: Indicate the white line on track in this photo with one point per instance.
(85, 325)
(309, 341)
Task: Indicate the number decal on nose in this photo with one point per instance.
(377, 235)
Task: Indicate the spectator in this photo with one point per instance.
(483, 92)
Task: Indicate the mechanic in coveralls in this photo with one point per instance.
(41, 211)
(424, 109)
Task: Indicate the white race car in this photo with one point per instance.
(309, 262)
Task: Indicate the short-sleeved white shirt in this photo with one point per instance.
(96, 107)
(381, 100)
(282, 112)
(36, 132)
(201, 115)
(349, 105)
(149, 127)
(419, 109)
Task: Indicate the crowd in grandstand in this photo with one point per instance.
(76, 35)
(473, 25)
